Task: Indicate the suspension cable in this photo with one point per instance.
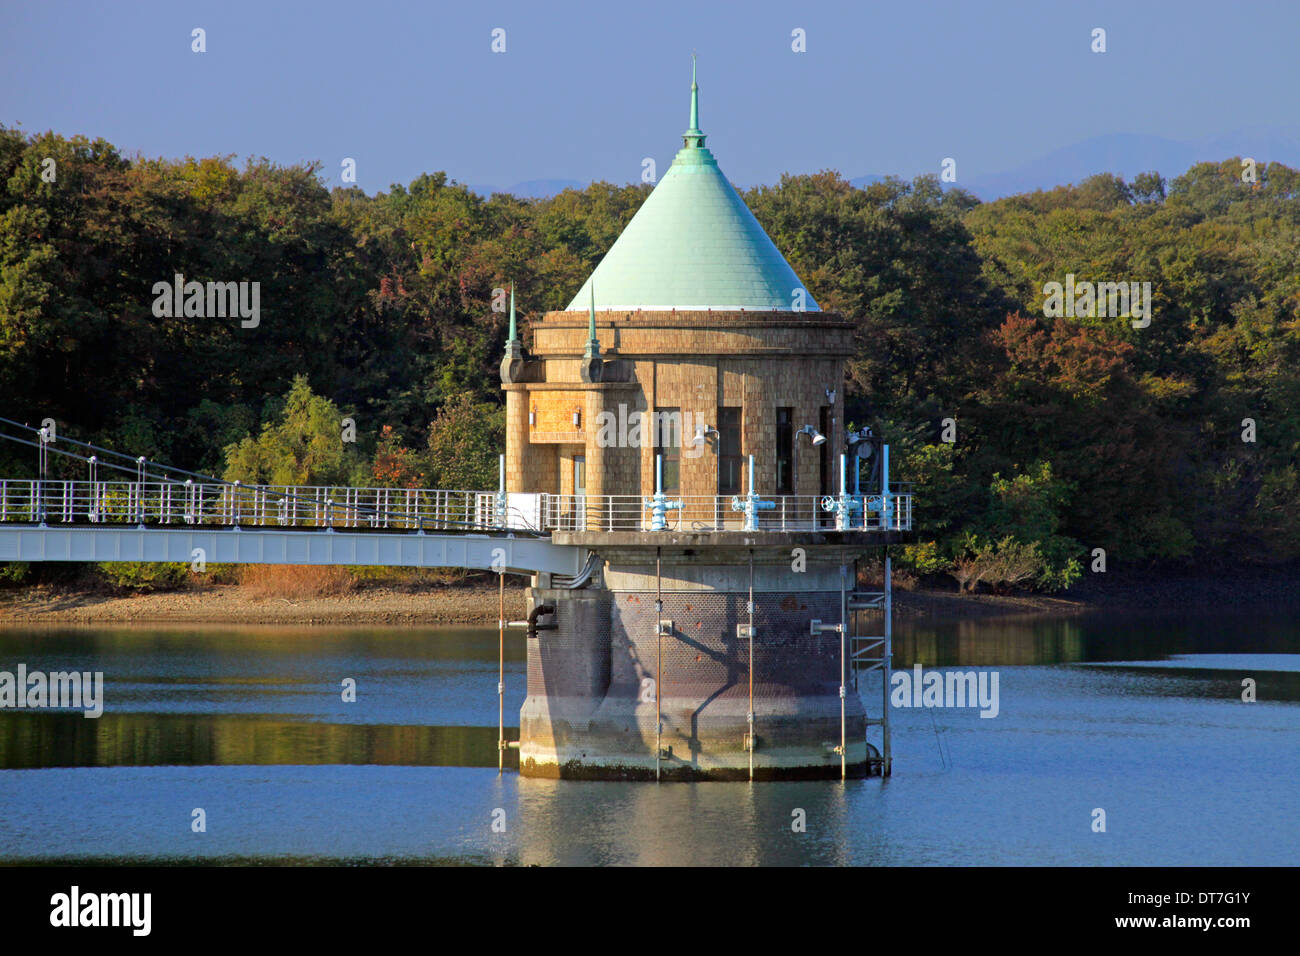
(140, 469)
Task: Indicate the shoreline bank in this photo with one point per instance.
(475, 603)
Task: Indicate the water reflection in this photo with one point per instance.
(1142, 716)
(46, 739)
(701, 824)
(1087, 638)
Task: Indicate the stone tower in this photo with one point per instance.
(692, 349)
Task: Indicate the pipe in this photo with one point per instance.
(534, 614)
(844, 520)
(752, 739)
(751, 504)
(844, 615)
(501, 670)
(884, 485)
(582, 577)
(659, 662)
(888, 660)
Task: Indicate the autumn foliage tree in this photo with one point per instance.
(1175, 441)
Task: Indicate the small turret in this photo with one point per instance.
(694, 137)
(512, 364)
(592, 365)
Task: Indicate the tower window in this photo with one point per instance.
(785, 451)
(731, 463)
(668, 442)
(826, 462)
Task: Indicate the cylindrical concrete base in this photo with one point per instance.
(592, 684)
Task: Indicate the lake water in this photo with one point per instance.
(1140, 717)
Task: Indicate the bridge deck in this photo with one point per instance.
(289, 546)
(63, 520)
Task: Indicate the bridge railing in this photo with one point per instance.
(714, 513)
(409, 509)
(180, 503)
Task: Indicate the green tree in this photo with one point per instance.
(464, 442)
(305, 447)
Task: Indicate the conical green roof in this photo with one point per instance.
(694, 245)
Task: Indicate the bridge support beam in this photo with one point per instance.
(273, 546)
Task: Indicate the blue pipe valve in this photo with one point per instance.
(658, 503)
(751, 503)
(659, 506)
(844, 507)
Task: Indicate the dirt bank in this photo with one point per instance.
(465, 604)
(476, 603)
(230, 604)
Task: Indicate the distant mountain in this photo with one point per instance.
(530, 189)
(1127, 154)
(1124, 154)
(862, 182)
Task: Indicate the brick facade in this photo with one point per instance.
(696, 362)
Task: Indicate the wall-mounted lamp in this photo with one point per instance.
(532, 416)
(830, 395)
(861, 442)
(817, 437)
(702, 433)
(577, 419)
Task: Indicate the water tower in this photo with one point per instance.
(682, 420)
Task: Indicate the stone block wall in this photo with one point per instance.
(696, 363)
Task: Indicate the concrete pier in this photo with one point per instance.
(599, 685)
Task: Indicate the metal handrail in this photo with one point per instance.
(410, 509)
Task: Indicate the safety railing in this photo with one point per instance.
(720, 513)
(170, 503)
(235, 505)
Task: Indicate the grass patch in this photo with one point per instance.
(295, 580)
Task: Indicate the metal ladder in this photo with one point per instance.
(870, 652)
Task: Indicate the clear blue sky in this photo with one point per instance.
(586, 90)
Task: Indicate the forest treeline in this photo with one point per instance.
(1177, 441)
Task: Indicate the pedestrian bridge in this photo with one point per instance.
(167, 514)
(186, 521)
